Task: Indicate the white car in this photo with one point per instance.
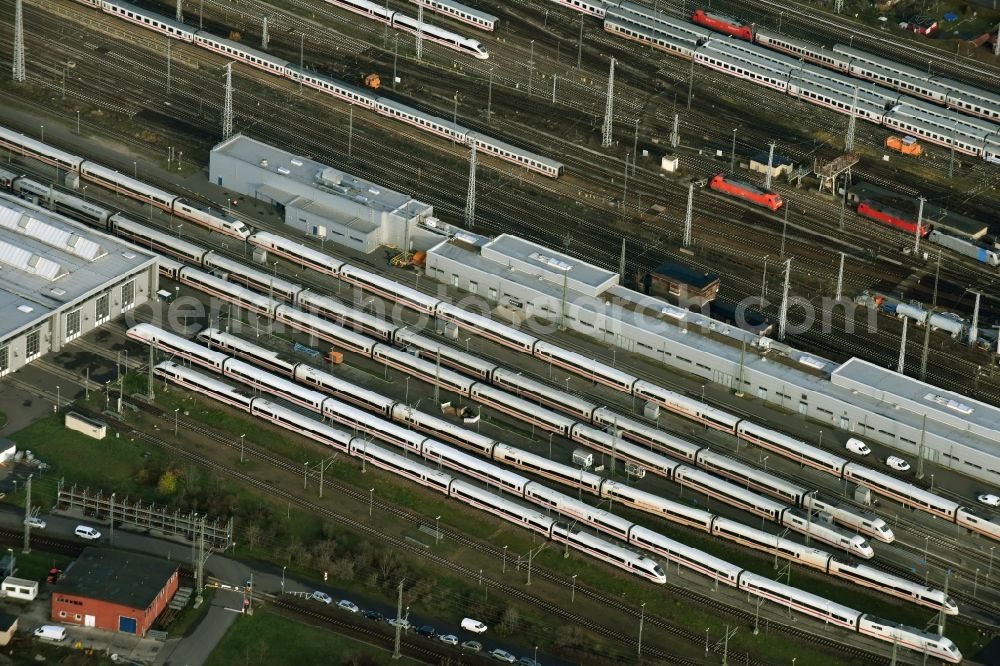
(503, 655)
(989, 500)
(321, 597)
(402, 624)
(36, 523)
(897, 463)
(87, 532)
(475, 626)
(448, 639)
(348, 606)
(855, 445)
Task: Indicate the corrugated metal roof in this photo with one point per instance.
(33, 264)
(59, 237)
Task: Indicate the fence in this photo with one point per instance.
(170, 522)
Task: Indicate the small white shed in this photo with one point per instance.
(19, 588)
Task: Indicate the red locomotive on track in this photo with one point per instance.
(751, 193)
(892, 217)
(721, 23)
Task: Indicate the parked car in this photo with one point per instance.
(475, 626)
(855, 445)
(36, 523)
(373, 615)
(87, 532)
(897, 463)
(989, 500)
(472, 646)
(403, 624)
(51, 632)
(426, 631)
(503, 655)
(322, 597)
(448, 639)
(348, 606)
(527, 661)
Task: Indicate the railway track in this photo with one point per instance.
(595, 245)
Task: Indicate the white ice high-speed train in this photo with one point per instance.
(779, 593)
(181, 348)
(351, 94)
(426, 476)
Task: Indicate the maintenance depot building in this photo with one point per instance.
(114, 590)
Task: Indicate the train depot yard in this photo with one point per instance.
(563, 332)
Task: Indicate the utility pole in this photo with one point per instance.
(179, 17)
(941, 616)
(732, 154)
(19, 72)
(635, 146)
(851, 119)
(690, 83)
(399, 616)
(974, 329)
(642, 617)
(621, 268)
(437, 378)
(920, 223)
(609, 107)
(420, 32)
(767, 177)
(149, 381)
(783, 315)
(227, 108)
(200, 564)
(169, 63)
(996, 42)
(675, 133)
(489, 100)
(687, 216)
(531, 67)
(840, 277)
(920, 450)
(579, 44)
(27, 514)
(470, 197)
(951, 159)
(350, 129)
(784, 228)
(264, 37)
(395, 58)
(927, 345)
(902, 349)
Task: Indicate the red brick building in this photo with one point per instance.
(114, 590)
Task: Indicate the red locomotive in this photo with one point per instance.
(751, 193)
(721, 23)
(891, 216)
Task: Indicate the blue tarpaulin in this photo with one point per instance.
(950, 16)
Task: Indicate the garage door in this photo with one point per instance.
(127, 625)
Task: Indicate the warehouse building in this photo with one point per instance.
(855, 396)
(319, 200)
(60, 279)
(114, 590)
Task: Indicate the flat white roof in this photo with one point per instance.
(950, 408)
(50, 260)
(522, 255)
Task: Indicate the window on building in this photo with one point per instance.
(72, 324)
(32, 344)
(4, 360)
(128, 295)
(62, 613)
(473, 287)
(78, 617)
(103, 312)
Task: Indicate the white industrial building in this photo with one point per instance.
(525, 282)
(60, 279)
(319, 200)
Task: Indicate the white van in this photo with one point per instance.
(87, 532)
(857, 446)
(51, 632)
(475, 626)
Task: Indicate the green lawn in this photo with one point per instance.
(36, 564)
(268, 638)
(190, 615)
